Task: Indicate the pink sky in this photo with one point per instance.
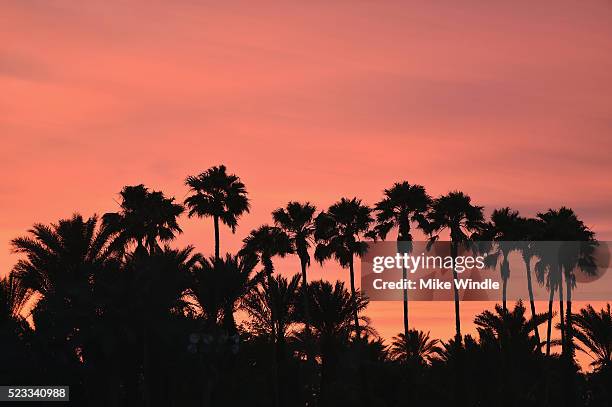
(509, 102)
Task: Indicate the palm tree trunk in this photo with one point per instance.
(405, 303)
(550, 314)
(402, 248)
(269, 268)
(216, 222)
(561, 313)
(303, 265)
(531, 301)
(275, 369)
(568, 327)
(568, 351)
(504, 276)
(354, 293)
(456, 294)
(504, 291)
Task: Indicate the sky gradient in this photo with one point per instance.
(508, 102)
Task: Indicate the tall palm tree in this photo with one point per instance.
(455, 212)
(146, 218)
(402, 205)
(339, 232)
(504, 229)
(220, 195)
(264, 243)
(594, 332)
(415, 348)
(548, 273)
(528, 232)
(297, 221)
(575, 250)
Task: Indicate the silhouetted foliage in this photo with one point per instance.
(110, 309)
(220, 195)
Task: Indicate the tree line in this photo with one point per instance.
(127, 320)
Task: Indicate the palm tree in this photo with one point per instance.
(297, 221)
(220, 195)
(547, 270)
(415, 348)
(594, 332)
(338, 233)
(13, 297)
(504, 229)
(455, 212)
(509, 330)
(264, 243)
(273, 310)
(145, 218)
(507, 345)
(218, 285)
(402, 205)
(14, 330)
(276, 297)
(157, 286)
(528, 232)
(61, 265)
(575, 250)
(61, 259)
(331, 311)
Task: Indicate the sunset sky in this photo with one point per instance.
(509, 102)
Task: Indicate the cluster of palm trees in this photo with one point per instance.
(128, 320)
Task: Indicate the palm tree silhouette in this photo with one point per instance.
(61, 260)
(338, 233)
(509, 329)
(505, 338)
(13, 329)
(154, 289)
(575, 249)
(13, 297)
(61, 264)
(416, 348)
(218, 285)
(504, 229)
(145, 218)
(332, 309)
(264, 243)
(547, 270)
(273, 309)
(402, 205)
(454, 211)
(594, 332)
(529, 230)
(220, 195)
(297, 221)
